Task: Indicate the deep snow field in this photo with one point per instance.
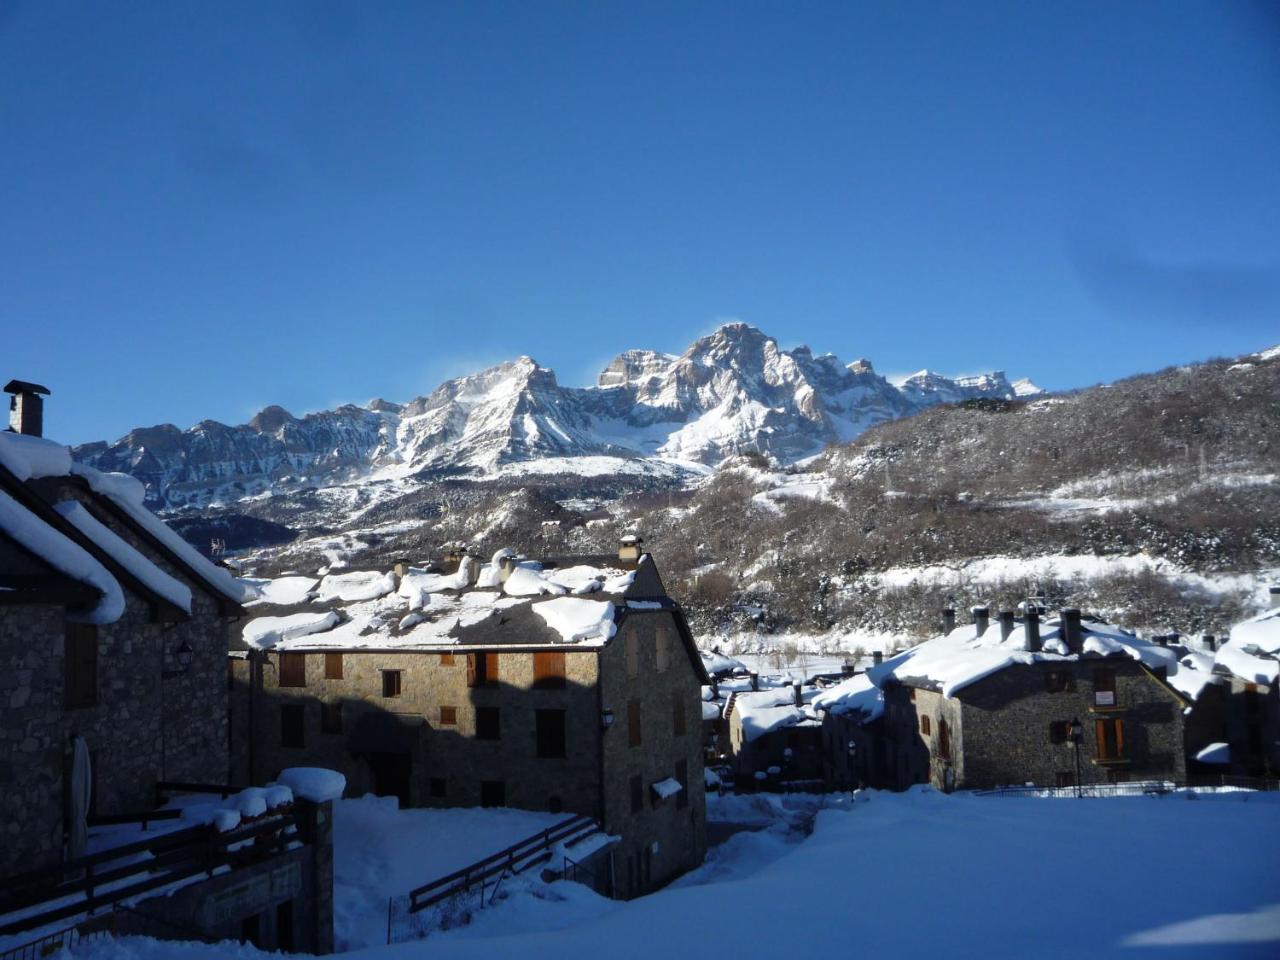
(909, 875)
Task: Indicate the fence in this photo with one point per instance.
(94, 928)
(405, 914)
(86, 884)
(1134, 788)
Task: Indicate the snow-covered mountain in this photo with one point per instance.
(731, 392)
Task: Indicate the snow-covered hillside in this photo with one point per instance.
(732, 391)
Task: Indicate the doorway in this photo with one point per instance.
(392, 773)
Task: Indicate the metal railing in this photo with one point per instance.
(508, 862)
(95, 928)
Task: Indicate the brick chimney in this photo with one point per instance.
(1032, 624)
(948, 619)
(26, 407)
(981, 617)
(1006, 624)
(1072, 635)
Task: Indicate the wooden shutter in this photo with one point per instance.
(80, 665)
(663, 650)
(490, 669)
(448, 716)
(548, 670)
(293, 669)
(446, 659)
(677, 715)
(633, 723)
(944, 740)
(472, 659)
(633, 654)
(333, 666)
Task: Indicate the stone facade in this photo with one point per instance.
(143, 727)
(433, 742)
(999, 730)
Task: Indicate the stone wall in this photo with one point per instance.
(664, 838)
(1007, 717)
(412, 723)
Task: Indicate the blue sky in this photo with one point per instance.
(206, 208)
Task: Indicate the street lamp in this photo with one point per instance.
(182, 656)
(1077, 734)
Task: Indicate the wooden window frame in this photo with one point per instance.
(1105, 682)
(944, 740)
(662, 648)
(392, 684)
(292, 670)
(446, 659)
(448, 716)
(925, 724)
(1115, 750)
(1059, 681)
(483, 669)
(632, 650)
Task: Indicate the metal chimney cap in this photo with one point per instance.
(21, 386)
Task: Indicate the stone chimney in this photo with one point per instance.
(400, 566)
(877, 657)
(1209, 642)
(1274, 591)
(1006, 624)
(26, 407)
(506, 565)
(629, 548)
(452, 558)
(981, 617)
(755, 681)
(1072, 635)
(799, 696)
(471, 567)
(948, 619)
(1032, 624)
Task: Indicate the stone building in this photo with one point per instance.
(1248, 704)
(111, 629)
(569, 684)
(774, 738)
(987, 705)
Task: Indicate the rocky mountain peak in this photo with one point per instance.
(271, 419)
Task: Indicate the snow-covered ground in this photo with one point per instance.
(909, 875)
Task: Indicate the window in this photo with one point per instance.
(1104, 688)
(662, 651)
(488, 723)
(549, 729)
(548, 671)
(493, 793)
(482, 669)
(682, 777)
(637, 794)
(1110, 734)
(293, 669)
(292, 725)
(80, 665)
(1064, 778)
(333, 666)
(633, 654)
(448, 716)
(331, 718)
(391, 683)
(1060, 731)
(912, 694)
(633, 723)
(555, 804)
(944, 740)
(1059, 681)
(438, 788)
(924, 725)
(446, 659)
(677, 715)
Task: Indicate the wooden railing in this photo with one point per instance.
(90, 883)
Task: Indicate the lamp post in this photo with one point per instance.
(1077, 734)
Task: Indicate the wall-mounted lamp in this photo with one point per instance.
(606, 719)
(182, 657)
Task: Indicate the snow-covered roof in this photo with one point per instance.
(578, 601)
(64, 555)
(32, 458)
(1253, 650)
(764, 711)
(955, 660)
(857, 695)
